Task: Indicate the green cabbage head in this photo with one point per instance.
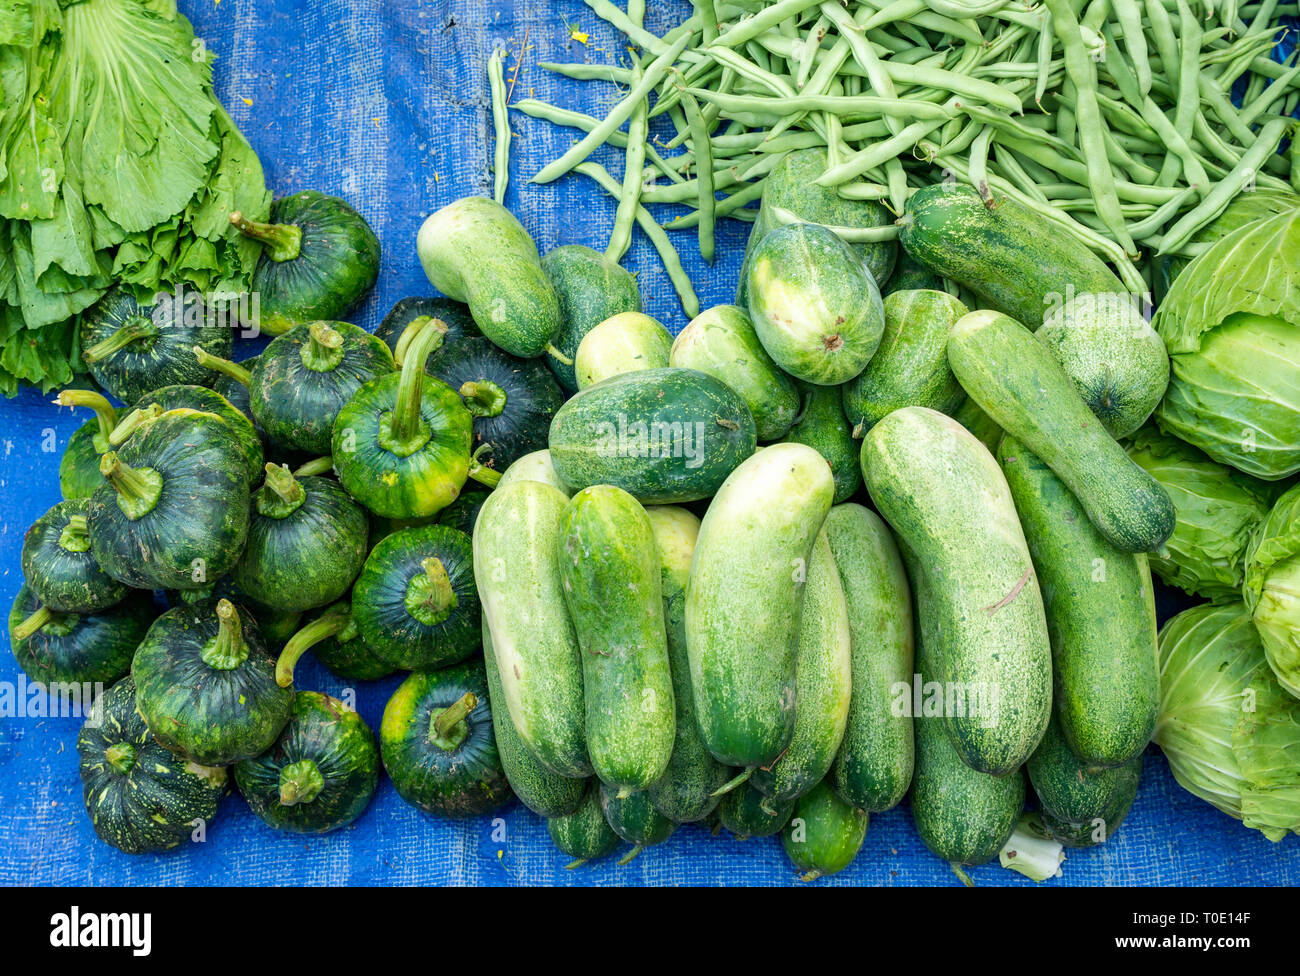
(1216, 508)
(1231, 324)
(1272, 587)
(1229, 731)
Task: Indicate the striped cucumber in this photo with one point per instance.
(748, 813)
(635, 819)
(516, 568)
(824, 835)
(1081, 805)
(584, 833)
(609, 567)
(743, 600)
(823, 427)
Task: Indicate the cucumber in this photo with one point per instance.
(910, 369)
(814, 304)
(910, 275)
(823, 427)
(516, 568)
(1081, 801)
(946, 499)
(824, 835)
(743, 601)
(475, 251)
(635, 819)
(534, 467)
(623, 343)
(662, 435)
(962, 815)
(539, 789)
(609, 567)
(748, 813)
(822, 676)
(684, 793)
(975, 420)
(584, 833)
(1012, 258)
(1100, 617)
(874, 765)
(721, 341)
(1015, 380)
(590, 288)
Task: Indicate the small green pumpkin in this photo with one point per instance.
(174, 511)
(438, 745)
(303, 378)
(205, 685)
(401, 445)
(306, 542)
(140, 797)
(59, 566)
(415, 602)
(190, 397)
(70, 648)
(412, 311)
(79, 467)
(319, 259)
(131, 349)
(584, 834)
(335, 641)
(512, 400)
(321, 772)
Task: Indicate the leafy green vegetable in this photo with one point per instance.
(1272, 587)
(1230, 733)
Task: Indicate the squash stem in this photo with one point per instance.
(558, 355)
(138, 489)
(481, 472)
(325, 626)
(448, 728)
(314, 467)
(225, 367)
(136, 328)
(323, 351)
(404, 423)
(228, 649)
(41, 617)
(280, 242)
(573, 865)
(430, 597)
(413, 328)
(483, 398)
(300, 782)
(132, 422)
(75, 536)
(104, 412)
(280, 495)
(630, 855)
(731, 784)
(120, 757)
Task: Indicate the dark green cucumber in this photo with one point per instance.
(1018, 383)
(909, 275)
(1100, 617)
(662, 435)
(745, 593)
(823, 427)
(1101, 828)
(748, 813)
(975, 420)
(874, 765)
(584, 834)
(545, 793)
(947, 500)
(822, 677)
(684, 793)
(590, 288)
(609, 566)
(635, 819)
(1011, 257)
(1073, 792)
(824, 835)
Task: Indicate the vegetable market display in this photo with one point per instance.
(882, 529)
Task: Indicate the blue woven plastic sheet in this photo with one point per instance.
(386, 104)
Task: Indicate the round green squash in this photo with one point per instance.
(131, 349)
(623, 343)
(140, 797)
(814, 304)
(69, 648)
(319, 259)
(824, 834)
(584, 834)
(635, 819)
(59, 566)
(173, 514)
(306, 542)
(590, 288)
(302, 380)
(409, 311)
(748, 813)
(415, 603)
(79, 467)
(190, 397)
(321, 772)
(401, 445)
(438, 745)
(206, 686)
(335, 641)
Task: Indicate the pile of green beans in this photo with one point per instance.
(1131, 124)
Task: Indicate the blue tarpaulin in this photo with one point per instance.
(386, 104)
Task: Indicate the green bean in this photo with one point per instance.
(751, 27)
(859, 105)
(852, 235)
(707, 202)
(708, 15)
(667, 253)
(1129, 16)
(1254, 109)
(1044, 58)
(1146, 229)
(863, 191)
(877, 154)
(588, 72)
(577, 120)
(620, 238)
(732, 206)
(979, 164)
(501, 125)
